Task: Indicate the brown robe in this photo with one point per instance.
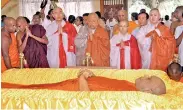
(99, 47)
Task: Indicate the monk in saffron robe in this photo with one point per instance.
(124, 52)
(98, 44)
(87, 82)
(174, 72)
(33, 43)
(9, 49)
(156, 43)
(123, 16)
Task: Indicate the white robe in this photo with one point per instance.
(111, 25)
(115, 51)
(144, 44)
(53, 46)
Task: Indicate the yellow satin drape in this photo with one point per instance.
(55, 99)
(4, 2)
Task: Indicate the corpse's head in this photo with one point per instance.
(152, 84)
(174, 71)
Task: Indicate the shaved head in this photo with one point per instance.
(10, 24)
(93, 20)
(122, 15)
(174, 71)
(58, 14)
(21, 23)
(154, 16)
(152, 84)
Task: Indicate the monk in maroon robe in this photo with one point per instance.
(33, 43)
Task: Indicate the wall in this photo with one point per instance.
(11, 9)
(96, 4)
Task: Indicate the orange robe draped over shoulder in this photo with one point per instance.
(99, 47)
(95, 84)
(181, 80)
(162, 47)
(13, 54)
(131, 27)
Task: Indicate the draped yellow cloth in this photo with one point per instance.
(55, 99)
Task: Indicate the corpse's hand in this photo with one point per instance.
(85, 73)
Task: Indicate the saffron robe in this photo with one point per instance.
(13, 54)
(94, 83)
(99, 47)
(35, 52)
(162, 47)
(127, 57)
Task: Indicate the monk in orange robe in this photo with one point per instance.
(9, 49)
(174, 72)
(123, 16)
(88, 82)
(98, 44)
(162, 44)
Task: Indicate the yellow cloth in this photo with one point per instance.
(54, 99)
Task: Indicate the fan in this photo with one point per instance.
(43, 4)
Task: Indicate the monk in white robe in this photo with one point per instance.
(58, 46)
(124, 53)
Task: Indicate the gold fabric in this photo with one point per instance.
(57, 99)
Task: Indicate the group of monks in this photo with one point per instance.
(142, 44)
(145, 44)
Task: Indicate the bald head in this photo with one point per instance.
(152, 84)
(93, 20)
(122, 15)
(21, 23)
(10, 24)
(174, 71)
(58, 14)
(154, 16)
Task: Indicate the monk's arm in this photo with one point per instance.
(21, 46)
(5, 51)
(43, 40)
(83, 84)
(172, 29)
(42, 13)
(179, 40)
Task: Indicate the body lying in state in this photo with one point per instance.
(87, 81)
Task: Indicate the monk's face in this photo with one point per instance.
(142, 20)
(21, 25)
(154, 17)
(122, 15)
(150, 84)
(178, 13)
(36, 19)
(123, 26)
(110, 15)
(85, 20)
(11, 26)
(93, 21)
(58, 14)
(174, 72)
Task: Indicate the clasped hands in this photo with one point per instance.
(85, 73)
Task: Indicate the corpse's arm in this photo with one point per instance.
(83, 75)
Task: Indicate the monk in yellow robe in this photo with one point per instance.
(9, 49)
(123, 16)
(174, 72)
(98, 44)
(88, 82)
(162, 43)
